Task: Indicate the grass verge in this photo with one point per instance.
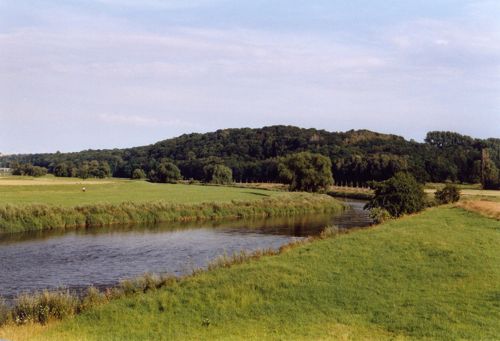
(434, 276)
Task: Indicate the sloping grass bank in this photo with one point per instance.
(28, 217)
(433, 275)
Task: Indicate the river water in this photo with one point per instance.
(103, 256)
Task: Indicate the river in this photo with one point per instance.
(101, 257)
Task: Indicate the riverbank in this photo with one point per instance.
(432, 275)
(30, 204)
(21, 218)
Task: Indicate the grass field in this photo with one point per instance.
(52, 203)
(68, 192)
(434, 275)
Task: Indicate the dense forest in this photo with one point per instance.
(357, 156)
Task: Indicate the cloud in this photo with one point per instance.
(151, 82)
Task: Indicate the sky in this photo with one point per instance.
(100, 74)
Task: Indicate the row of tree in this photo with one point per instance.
(86, 169)
(168, 172)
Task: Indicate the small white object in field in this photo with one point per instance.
(84, 189)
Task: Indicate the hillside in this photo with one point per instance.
(358, 156)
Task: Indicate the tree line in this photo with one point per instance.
(254, 155)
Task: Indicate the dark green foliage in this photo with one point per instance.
(399, 195)
(92, 169)
(444, 139)
(65, 169)
(218, 174)
(138, 174)
(28, 170)
(306, 172)
(165, 172)
(450, 193)
(358, 157)
(490, 176)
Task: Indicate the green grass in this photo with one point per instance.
(117, 191)
(435, 276)
(51, 203)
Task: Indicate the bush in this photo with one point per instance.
(138, 174)
(399, 195)
(450, 193)
(379, 215)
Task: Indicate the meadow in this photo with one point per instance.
(434, 275)
(67, 192)
(51, 203)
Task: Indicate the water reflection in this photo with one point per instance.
(102, 256)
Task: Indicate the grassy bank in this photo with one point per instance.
(30, 217)
(28, 204)
(433, 275)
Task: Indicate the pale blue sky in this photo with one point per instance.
(116, 73)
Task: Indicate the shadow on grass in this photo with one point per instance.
(257, 193)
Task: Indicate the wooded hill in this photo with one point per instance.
(357, 156)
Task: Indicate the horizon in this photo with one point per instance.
(106, 74)
(231, 128)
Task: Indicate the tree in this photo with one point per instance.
(306, 172)
(27, 169)
(37, 171)
(138, 174)
(83, 171)
(218, 174)
(165, 172)
(490, 177)
(399, 195)
(103, 170)
(450, 193)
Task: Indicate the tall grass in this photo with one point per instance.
(18, 218)
(485, 207)
(44, 307)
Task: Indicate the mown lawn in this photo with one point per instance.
(435, 275)
(69, 192)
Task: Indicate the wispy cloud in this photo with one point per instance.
(168, 77)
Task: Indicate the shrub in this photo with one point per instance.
(450, 193)
(399, 195)
(379, 215)
(138, 174)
